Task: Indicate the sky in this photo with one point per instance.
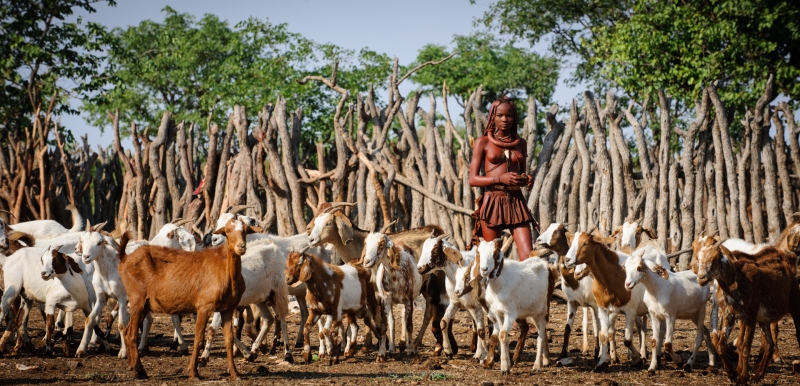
(397, 28)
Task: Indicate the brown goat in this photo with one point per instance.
(336, 291)
(760, 288)
(170, 281)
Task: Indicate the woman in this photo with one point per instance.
(502, 153)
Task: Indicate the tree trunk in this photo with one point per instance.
(664, 165)
(783, 170)
(723, 126)
(603, 169)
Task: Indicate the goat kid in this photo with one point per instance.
(669, 297)
(336, 291)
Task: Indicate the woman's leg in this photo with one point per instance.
(491, 233)
(522, 237)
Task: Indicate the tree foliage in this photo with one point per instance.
(679, 46)
(483, 59)
(42, 55)
(682, 46)
(193, 67)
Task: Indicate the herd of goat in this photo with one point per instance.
(237, 271)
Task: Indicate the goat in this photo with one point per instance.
(397, 281)
(47, 229)
(331, 226)
(578, 291)
(285, 245)
(631, 235)
(521, 290)
(759, 288)
(262, 269)
(24, 275)
(609, 290)
(335, 291)
(438, 255)
(669, 296)
(170, 281)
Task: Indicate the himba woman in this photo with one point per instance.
(502, 153)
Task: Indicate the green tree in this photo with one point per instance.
(44, 55)
(569, 24)
(682, 46)
(192, 67)
(483, 59)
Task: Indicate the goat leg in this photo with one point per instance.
(523, 336)
(227, 330)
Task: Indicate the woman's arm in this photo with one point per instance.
(478, 153)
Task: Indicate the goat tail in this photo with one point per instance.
(77, 219)
(123, 242)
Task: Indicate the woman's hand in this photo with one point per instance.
(511, 179)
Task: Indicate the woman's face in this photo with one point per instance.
(504, 117)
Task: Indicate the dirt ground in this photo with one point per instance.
(169, 367)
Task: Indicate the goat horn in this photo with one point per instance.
(238, 208)
(442, 237)
(194, 228)
(302, 251)
(181, 222)
(176, 220)
(88, 225)
(9, 213)
(337, 205)
(387, 226)
(716, 232)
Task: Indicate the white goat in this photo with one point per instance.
(47, 229)
(396, 280)
(439, 255)
(24, 274)
(669, 297)
(515, 290)
(578, 291)
(262, 270)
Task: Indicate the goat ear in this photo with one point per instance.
(570, 236)
(725, 251)
(605, 240)
(345, 228)
(453, 256)
(305, 272)
(254, 229)
(220, 231)
(619, 229)
(793, 241)
(72, 264)
(660, 271)
(171, 234)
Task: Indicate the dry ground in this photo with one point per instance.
(169, 367)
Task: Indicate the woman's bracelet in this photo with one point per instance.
(494, 179)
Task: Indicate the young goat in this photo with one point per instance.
(336, 291)
(397, 282)
(514, 291)
(24, 275)
(439, 255)
(668, 297)
(631, 236)
(609, 291)
(759, 288)
(578, 291)
(170, 281)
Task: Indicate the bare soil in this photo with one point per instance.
(169, 367)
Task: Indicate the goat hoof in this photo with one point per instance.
(437, 351)
(487, 365)
(602, 367)
(288, 358)
(58, 335)
(349, 353)
(298, 344)
(173, 346)
(687, 368)
(380, 359)
(251, 357)
(141, 375)
(505, 372)
(202, 362)
(637, 363)
(80, 354)
(651, 373)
